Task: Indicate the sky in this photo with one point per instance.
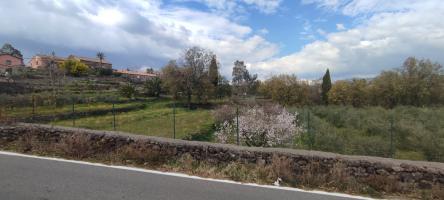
(353, 38)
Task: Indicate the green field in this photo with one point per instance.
(155, 120)
(404, 132)
(67, 108)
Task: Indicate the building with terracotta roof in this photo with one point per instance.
(136, 75)
(42, 61)
(10, 58)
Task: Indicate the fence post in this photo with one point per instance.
(73, 114)
(310, 139)
(114, 118)
(391, 137)
(33, 107)
(174, 119)
(237, 125)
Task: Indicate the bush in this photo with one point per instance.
(74, 68)
(128, 91)
(153, 87)
(261, 126)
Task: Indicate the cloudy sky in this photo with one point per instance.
(354, 38)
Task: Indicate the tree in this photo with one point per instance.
(102, 71)
(128, 91)
(172, 78)
(422, 82)
(196, 62)
(223, 88)
(358, 94)
(286, 90)
(101, 57)
(325, 87)
(153, 87)
(339, 93)
(386, 89)
(243, 82)
(74, 67)
(213, 72)
(262, 127)
(150, 70)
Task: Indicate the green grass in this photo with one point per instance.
(155, 120)
(418, 133)
(49, 110)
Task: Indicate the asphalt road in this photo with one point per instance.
(33, 178)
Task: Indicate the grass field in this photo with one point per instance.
(404, 132)
(49, 110)
(155, 120)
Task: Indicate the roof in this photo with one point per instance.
(50, 57)
(135, 73)
(97, 60)
(74, 57)
(8, 49)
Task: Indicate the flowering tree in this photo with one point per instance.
(261, 126)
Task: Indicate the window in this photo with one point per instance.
(8, 62)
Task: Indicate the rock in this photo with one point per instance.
(424, 185)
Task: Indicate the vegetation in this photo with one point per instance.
(416, 83)
(29, 111)
(280, 169)
(403, 132)
(266, 126)
(286, 90)
(325, 87)
(243, 82)
(357, 119)
(74, 68)
(128, 90)
(153, 87)
(155, 120)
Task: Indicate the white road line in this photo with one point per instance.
(183, 175)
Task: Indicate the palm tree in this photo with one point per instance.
(101, 57)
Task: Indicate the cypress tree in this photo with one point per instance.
(326, 86)
(213, 72)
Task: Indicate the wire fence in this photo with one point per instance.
(385, 135)
(141, 116)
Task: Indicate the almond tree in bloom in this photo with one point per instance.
(262, 127)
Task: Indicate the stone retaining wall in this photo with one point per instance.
(422, 174)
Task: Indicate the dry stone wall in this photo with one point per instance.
(422, 174)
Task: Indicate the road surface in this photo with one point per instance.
(41, 179)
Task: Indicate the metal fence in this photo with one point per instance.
(387, 138)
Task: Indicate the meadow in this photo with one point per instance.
(156, 119)
(414, 133)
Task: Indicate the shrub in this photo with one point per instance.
(128, 91)
(261, 126)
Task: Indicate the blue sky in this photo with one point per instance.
(354, 38)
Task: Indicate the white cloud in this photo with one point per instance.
(230, 7)
(131, 29)
(382, 41)
(340, 27)
(263, 31)
(321, 31)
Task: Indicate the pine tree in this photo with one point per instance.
(326, 86)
